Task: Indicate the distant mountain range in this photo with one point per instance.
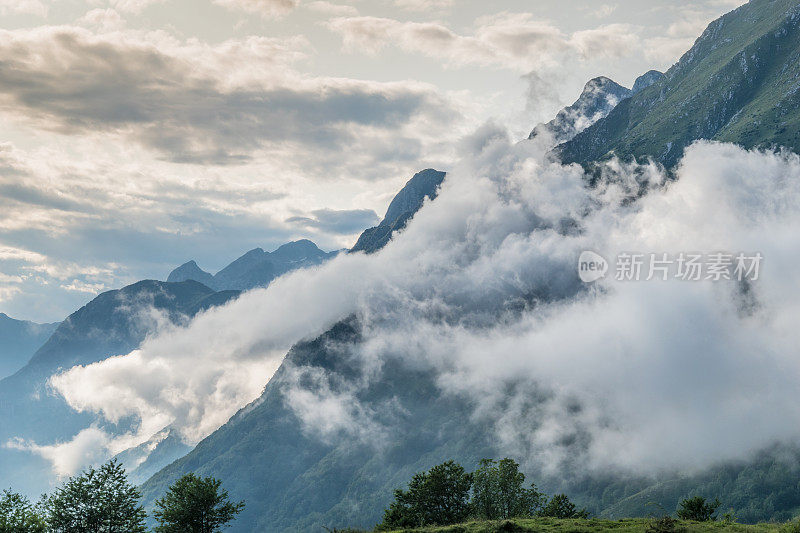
(115, 322)
(738, 83)
(19, 340)
(256, 268)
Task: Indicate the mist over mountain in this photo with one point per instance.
(424, 185)
(256, 268)
(35, 419)
(464, 331)
(19, 339)
(580, 386)
(600, 95)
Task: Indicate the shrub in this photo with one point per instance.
(697, 509)
(561, 507)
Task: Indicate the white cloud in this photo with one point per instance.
(127, 6)
(30, 7)
(264, 8)
(90, 446)
(424, 5)
(481, 290)
(508, 40)
(104, 20)
(330, 8)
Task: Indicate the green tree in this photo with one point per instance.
(437, 497)
(696, 508)
(195, 505)
(98, 501)
(498, 491)
(18, 515)
(561, 507)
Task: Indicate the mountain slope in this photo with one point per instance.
(424, 184)
(293, 480)
(599, 96)
(265, 455)
(19, 340)
(115, 322)
(738, 83)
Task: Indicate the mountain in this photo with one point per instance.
(148, 458)
(265, 456)
(646, 80)
(115, 322)
(190, 271)
(295, 481)
(744, 65)
(255, 268)
(19, 340)
(424, 184)
(599, 96)
(738, 83)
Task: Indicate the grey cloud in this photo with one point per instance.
(74, 82)
(343, 222)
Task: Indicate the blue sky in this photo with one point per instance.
(139, 134)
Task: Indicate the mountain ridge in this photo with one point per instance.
(256, 267)
(736, 84)
(19, 340)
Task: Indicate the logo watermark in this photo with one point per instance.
(591, 266)
(684, 266)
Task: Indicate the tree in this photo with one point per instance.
(195, 505)
(498, 491)
(561, 507)
(437, 497)
(697, 509)
(97, 501)
(18, 515)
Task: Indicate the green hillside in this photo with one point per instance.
(738, 83)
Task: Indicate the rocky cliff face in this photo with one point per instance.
(424, 185)
(598, 98)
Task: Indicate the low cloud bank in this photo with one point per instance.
(482, 290)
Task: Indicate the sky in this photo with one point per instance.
(139, 134)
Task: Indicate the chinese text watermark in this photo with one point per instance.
(684, 266)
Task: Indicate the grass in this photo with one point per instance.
(628, 525)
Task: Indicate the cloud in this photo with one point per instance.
(424, 5)
(264, 8)
(90, 446)
(102, 19)
(330, 8)
(508, 40)
(344, 222)
(117, 123)
(197, 103)
(481, 291)
(29, 7)
(605, 10)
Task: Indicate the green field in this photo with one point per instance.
(628, 525)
